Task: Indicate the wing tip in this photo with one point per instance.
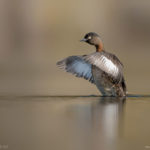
(61, 64)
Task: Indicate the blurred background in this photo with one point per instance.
(35, 34)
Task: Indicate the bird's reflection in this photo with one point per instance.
(107, 114)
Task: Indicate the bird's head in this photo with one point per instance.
(93, 38)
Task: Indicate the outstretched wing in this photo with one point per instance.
(77, 66)
(107, 62)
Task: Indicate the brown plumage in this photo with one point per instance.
(101, 68)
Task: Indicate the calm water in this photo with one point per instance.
(74, 123)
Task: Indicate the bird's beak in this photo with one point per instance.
(83, 40)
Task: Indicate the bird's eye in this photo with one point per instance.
(89, 37)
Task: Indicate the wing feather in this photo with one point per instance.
(107, 62)
(77, 66)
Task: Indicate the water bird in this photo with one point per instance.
(101, 68)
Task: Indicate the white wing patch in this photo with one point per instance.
(109, 66)
(103, 63)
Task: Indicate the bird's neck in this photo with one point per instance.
(99, 47)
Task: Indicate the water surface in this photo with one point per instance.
(74, 123)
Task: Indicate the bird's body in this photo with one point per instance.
(108, 85)
(101, 68)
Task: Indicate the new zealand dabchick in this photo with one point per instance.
(101, 68)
